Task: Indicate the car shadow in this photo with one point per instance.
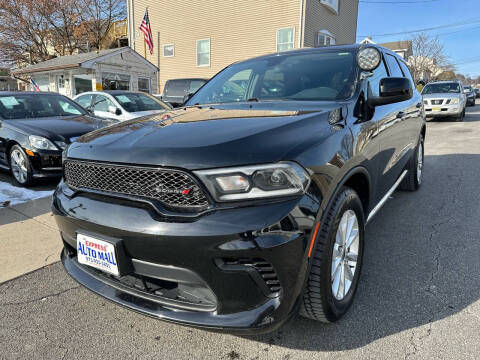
(420, 265)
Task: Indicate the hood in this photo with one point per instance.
(207, 137)
(59, 128)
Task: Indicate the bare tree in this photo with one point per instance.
(36, 30)
(428, 59)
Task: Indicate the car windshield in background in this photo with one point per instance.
(325, 76)
(30, 106)
(441, 88)
(140, 102)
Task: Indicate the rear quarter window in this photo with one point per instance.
(393, 66)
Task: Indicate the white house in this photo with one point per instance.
(113, 69)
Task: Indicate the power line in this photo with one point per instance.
(471, 21)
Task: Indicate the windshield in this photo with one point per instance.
(441, 88)
(140, 102)
(30, 106)
(468, 88)
(329, 75)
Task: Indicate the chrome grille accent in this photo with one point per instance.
(173, 188)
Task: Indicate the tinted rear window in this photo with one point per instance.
(176, 87)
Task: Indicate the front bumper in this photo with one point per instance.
(46, 163)
(225, 257)
(443, 110)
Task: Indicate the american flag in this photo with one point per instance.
(147, 31)
(34, 84)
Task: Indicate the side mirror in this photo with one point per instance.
(392, 90)
(114, 110)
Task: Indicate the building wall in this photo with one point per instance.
(237, 30)
(343, 26)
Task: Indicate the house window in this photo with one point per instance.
(324, 38)
(203, 52)
(331, 4)
(111, 81)
(168, 50)
(285, 39)
(144, 85)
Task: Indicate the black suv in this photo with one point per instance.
(250, 203)
(176, 91)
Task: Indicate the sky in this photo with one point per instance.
(462, 41)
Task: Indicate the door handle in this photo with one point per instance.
(400, 115)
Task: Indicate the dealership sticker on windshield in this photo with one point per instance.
(97, 253)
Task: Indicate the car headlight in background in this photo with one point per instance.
(455, 101)
(41, 143)
(253, 182)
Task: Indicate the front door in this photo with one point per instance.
(60, 83)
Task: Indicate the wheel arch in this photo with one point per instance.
(358, 179)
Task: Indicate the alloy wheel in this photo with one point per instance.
(345, 255)
(19, 166)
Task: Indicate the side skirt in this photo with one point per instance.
(385, 198)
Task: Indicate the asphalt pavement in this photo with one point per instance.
(419, 295)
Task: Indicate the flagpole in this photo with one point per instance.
(144, 42)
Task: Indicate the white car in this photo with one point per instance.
(121, 105)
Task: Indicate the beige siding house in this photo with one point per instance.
(196, 39)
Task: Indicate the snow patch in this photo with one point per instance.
(17, 195)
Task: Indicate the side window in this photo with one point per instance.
(85, 100)
(378, 74)
(68, 108)
(195, 85)
(406, 71)
(102, 103)
(395, 70)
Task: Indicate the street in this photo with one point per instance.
(418, 298)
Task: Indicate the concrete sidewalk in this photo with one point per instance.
(29, 238)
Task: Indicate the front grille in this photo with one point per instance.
(437, 102)
(172, 188)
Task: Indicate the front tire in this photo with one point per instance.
(20, 166)
(461, 116)
(336, 260)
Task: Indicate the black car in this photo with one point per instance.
(34, 130)
(249, 204)
(470, 94)
(176, 91)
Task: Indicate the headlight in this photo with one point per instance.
(39, 142)
(455, 101)
(253, 182)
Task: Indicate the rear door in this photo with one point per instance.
(397, 131)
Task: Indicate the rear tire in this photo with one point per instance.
(414, 178)
(324, 298)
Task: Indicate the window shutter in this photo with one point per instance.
(316, 44)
